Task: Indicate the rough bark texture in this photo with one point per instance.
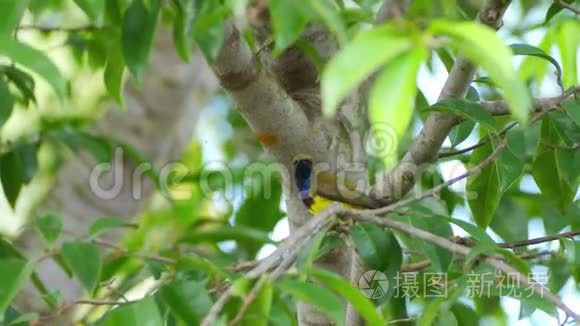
(158, 121)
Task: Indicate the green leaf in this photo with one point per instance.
(568, 40)
(114, 11)
(35, 61)
(281, 313)
(309, 252)
(315, 295)
(12, 11)
(345, 289)
(460, 132)
(439, 257)
(50, 226)
(437, 310)
(469, 110)
(392, 96)
(17, 167)
(572, 251)
(182, 27)
(547, 171)
(208, 29)
(476, 232)
(105, 224)
(25, 319)
(511, 160)
(15, 273)
(465, 315)
(370, 49)
(259, 310)
(262, 195)
(529, 50)
(289, 20)
(187, 299)
(139, 24)
(22, 80)
(113, 75)
(245, 235)
(53, 299)
(328, 13)
(78, 140)
(554, 9)
(484, 188)
(482, 46)
(566, 128)
(559, 273)
(142, 313)
(8, 251)
(6, 102)
(196, 263)
(508, 215)
(372, 242)
(84, 261)
(533, 67)
(572, 108)
(568, 161)
(92, 8)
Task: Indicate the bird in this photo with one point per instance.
(313, 189)
(303, 177)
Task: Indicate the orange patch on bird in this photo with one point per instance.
(268, 139)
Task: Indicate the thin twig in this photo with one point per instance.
(534, 241)
(280, 269)
(310, 228)
(413, 267)
(564, 148)
(462, 151)
(568, 6)
(249, 299)
(403, 320)
(148, 256)
(368, 216)
(481, 143)
(534, 255)
(437, 189)
(103, 302)
(50, 29)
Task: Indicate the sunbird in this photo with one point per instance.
(303, 176)
(307, 180)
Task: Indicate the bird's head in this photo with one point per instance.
(303, 174)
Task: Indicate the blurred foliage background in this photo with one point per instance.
(81, 80)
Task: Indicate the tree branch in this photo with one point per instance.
(528, 242)
(501, 107)
(401, 179)
(367, 216)
(277, 120)
(289, 248)
(392, 9)
(437, 189)
(568, 6)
